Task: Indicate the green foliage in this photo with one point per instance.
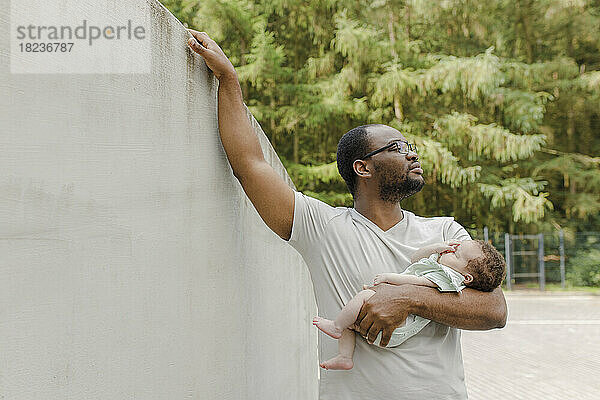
(488, 141)
(590, 81)
(474, 77)
(584, 268)
(445, 165)
(528, 204)
(394, 81)
(306, 174)
(502, 97)
(265, 62)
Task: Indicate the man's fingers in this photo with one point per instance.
(373, 332)
(365, 325)
(202, 41)
(201, 37)
(386, 335)
(213, 55)
(361, 315)
(366, 329)
(197, 47)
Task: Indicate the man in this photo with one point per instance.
(346, 247)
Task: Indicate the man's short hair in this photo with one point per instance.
(353, 145)
(489, 270)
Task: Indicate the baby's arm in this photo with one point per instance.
(424, 252)
(399, 279)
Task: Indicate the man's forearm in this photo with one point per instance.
(470, 310)
(270, 194)
(239, 139)
(388, 308)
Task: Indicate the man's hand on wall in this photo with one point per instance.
(214, 57)
(386, 310)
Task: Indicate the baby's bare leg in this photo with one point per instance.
(346, 350)
(345, 318)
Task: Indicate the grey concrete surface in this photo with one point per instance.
(132, 264)
(549, 349)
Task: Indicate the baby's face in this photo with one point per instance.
(466, 251)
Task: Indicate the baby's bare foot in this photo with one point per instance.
(327, 326)
(338, 362)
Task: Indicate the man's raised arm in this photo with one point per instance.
(270, 194)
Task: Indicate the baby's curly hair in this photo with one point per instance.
(488, 271)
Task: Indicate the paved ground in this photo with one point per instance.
(549, 349)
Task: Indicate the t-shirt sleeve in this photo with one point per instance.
(311, 216)
(455, 231)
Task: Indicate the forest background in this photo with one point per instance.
(502, 98)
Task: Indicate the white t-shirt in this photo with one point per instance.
(344, 250)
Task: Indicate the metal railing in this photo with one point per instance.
(541, 258)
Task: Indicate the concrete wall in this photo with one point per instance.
(131, 263)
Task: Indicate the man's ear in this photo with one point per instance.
(361, 169)
(468, 278)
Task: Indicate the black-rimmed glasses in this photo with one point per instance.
(402, 147)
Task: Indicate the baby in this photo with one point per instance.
(450, 266)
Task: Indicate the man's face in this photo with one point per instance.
(398, 175)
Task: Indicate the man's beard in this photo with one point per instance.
(395, 187)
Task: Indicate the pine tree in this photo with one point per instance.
(502, 97)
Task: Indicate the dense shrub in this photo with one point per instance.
(584, 268)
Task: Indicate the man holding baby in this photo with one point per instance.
(346, 247)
